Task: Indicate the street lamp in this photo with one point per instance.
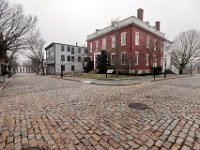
(61, 71)
(165, 63)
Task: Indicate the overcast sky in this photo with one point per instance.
(70, 21)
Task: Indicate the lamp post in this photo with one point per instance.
(75, 57)
(165, 61)
(61, 71)
(106, 64)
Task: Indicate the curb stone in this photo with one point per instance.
(6, 83)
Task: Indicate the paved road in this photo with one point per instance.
(60, 114)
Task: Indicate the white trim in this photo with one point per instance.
(148, 42)
(104, 44)
(137, 38)
(136, 55)
(113, 42)
(124, 62)
(112, 54)
(126, 22)
(123, 43)
(147, 59)
(90, 47)
(96, 45)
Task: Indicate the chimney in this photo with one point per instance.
(140, 14)
(76, 44)
(158, 25)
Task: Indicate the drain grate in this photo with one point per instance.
(138, 106)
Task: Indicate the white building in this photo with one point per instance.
(69, 58)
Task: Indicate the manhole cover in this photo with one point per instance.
(32, 148)
(138, 106)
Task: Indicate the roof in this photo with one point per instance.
(53, 43)
(126, 22)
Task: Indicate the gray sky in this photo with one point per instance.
(70, 21)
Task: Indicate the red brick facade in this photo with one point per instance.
(130, 48)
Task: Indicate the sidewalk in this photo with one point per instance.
(4, 80)
(120, 82)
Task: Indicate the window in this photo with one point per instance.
(79, 59)
(62, 48)
(62, 57)
(62, 67)
(137, 38)
(161, 46)
(90, 47)
(68, 58)
(113, 57)
(97, 45)
(154, 61)
(136, 58)
(68, 48)
(104, 44)
(147, 59)
(86, 50)
(72, 58)
(148, 42)
(72, 68)
(123, 58)
(123, 38)
(113, 39)
(155, 44)
(79, 50)
(72, 50)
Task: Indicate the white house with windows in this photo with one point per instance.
(64, 57)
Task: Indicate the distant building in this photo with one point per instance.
(69, 58)
(139, 44)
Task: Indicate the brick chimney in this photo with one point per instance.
(140, 14)
(158, 25)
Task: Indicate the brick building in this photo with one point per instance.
(133, 44)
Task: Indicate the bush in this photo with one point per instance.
(156, 70)
(89, 66)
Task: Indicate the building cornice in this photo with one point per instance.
(53, 43)
(126, 22)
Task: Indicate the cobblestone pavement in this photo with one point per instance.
(60, 114)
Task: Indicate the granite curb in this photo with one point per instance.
(6, 83)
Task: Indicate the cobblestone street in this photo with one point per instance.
(61, 114)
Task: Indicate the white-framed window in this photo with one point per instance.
(62, 57)
(97, 45)
(147, 59)
(155, 61)
(62, 47)
(137, 38)
(155, 43)
(113, 40)
(104, 44)
(113, 57)
(90, 47)
(123, 58)
(123, 38)
(161, 46)
(148, 42)
(136, 58)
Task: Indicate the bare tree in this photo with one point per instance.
(186, 49)
(36, 51)
(14, 28)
